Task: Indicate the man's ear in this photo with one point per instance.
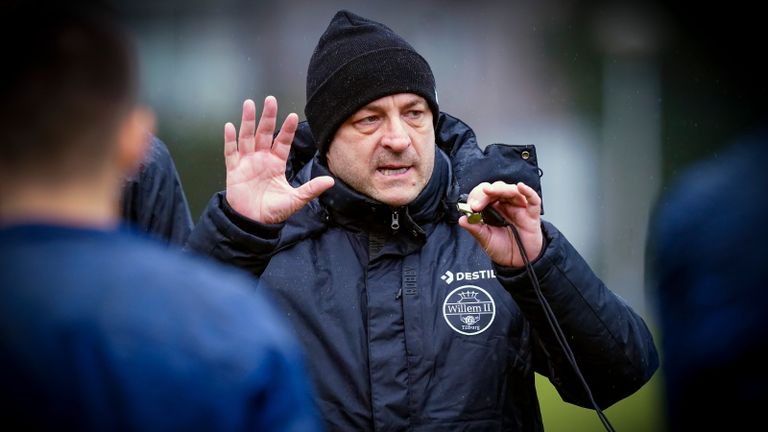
(133, 139)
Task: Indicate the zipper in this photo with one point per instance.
(395, 220)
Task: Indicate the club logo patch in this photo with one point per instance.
(469, 310)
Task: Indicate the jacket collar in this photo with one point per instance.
(350, 208)
(466, 165)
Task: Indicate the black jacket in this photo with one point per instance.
(416, 328)
(153, 200)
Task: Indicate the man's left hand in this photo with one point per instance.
(519, 205)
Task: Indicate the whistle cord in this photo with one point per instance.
(559, 335)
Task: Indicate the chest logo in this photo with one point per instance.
(469, 310)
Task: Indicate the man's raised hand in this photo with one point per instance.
(256, 183)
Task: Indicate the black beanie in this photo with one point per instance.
(355, 62)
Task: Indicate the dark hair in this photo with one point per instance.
(68, 79)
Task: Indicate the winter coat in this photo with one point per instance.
(153, 200)
(408, 324)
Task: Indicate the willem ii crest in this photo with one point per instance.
(469, 310)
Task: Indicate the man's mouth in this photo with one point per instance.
(389, 171)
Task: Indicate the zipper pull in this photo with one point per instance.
(395, 220)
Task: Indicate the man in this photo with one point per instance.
(153, 199)
(412, 323)
(707, 240)
(103, 330)
(709, 272)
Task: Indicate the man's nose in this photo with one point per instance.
(396, 136)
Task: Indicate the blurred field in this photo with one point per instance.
(641, 412)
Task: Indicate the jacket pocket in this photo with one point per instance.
(467, 380)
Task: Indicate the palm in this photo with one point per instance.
(256, 183)
(258, 190)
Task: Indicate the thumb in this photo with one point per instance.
(313, 188)
(479, 231)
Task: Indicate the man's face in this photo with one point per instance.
(386, 150)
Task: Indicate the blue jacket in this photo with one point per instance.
(707, 261)
(415, 328)
(103, 331)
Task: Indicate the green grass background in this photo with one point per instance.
(641, 412)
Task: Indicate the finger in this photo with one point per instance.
(505, 192)
(518, 200)
(480, 232)
(464, 223)
(266, 129)
(313, 188)
(485, 193)
(282, 145)
(530, 194)
(477, 198)
(245, 143)
(231, 156)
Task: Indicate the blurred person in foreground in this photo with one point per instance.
(416, 319)
(708, 264)
(101, 329)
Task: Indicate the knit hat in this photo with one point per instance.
(356, 62)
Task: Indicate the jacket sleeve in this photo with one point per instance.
(154, 201)
(234, 239)
(611, 344)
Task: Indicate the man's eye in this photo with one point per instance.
(414, 114)
(368, 120)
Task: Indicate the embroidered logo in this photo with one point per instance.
(469, 310)
(449, 277)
